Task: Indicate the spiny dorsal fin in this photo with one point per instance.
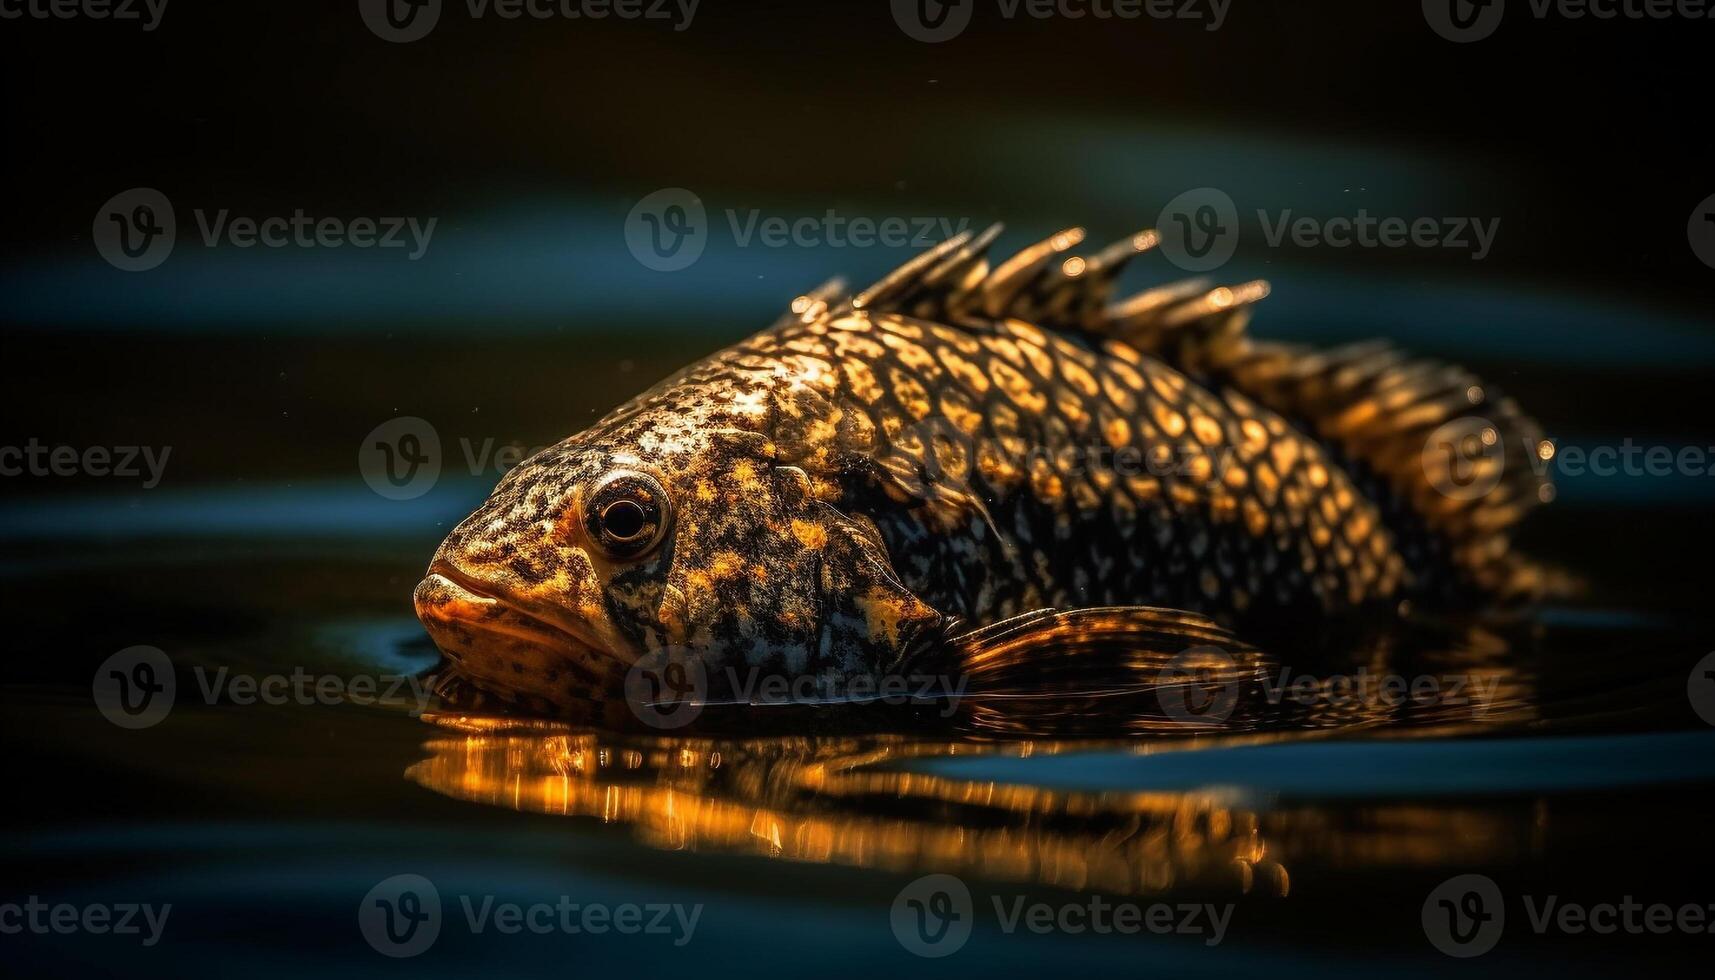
(813, 305)
(1381, 406)
(1188, 324)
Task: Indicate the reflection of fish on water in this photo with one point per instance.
(1416, 679)
(859, 802)
(995, 473)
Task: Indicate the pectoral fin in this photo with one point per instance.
(1165, 669)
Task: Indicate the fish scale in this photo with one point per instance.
(885, 479)
(1061, 495)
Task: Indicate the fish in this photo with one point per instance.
(999, 470)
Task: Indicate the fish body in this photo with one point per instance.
(877, 475)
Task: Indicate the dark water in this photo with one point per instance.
(1569, 762)
(1574, 767)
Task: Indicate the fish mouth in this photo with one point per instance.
(502, 646)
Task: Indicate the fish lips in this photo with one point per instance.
(500, 645)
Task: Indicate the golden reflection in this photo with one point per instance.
(862, 802)
(857, 802)
(882, 801)
(1386, 682)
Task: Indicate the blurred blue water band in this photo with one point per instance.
(564, 267)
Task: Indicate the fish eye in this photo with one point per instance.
(626, 514)
(624, 520)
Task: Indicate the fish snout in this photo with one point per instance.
(509, 645)
(442, 601)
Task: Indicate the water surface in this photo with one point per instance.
(1579, 771)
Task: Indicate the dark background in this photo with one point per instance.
(1586, 136)
(530, 140)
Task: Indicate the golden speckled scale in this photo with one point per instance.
(957, 445)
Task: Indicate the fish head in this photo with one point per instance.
(521, 596)
(663, 533)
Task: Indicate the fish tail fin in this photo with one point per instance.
(1462, 457)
